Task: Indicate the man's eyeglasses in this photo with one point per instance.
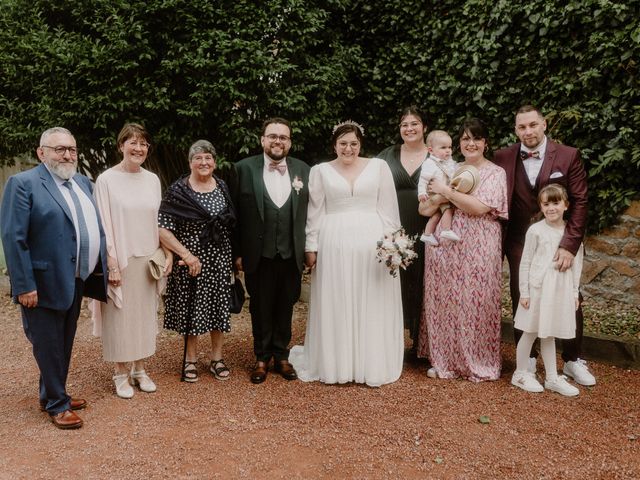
(60, 150)
(273, 137)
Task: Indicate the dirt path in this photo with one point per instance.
(415, 428)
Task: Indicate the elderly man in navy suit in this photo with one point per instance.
(55, 252)
(531, 164)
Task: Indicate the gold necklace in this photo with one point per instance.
(413, 156)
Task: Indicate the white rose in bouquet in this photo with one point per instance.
(395, 250)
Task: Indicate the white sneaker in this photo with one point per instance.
(429, 239)
(123, 389)
(142, 380)
(533, 365)
(431, 373)
(526, 380)
(579, 372)
(450, 235)
(561, 386)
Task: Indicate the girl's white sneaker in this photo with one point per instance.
(561, 386)
(526, 381)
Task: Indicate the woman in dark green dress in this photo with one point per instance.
(405, 161)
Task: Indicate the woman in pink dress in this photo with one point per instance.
(460, 325)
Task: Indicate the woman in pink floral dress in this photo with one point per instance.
(460, 325)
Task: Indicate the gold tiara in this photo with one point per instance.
(348, 122)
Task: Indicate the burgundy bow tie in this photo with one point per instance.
(279, 166)
(524, 155)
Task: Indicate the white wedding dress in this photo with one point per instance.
(355, 330)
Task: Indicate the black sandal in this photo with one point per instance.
(217, 367)
(190, 372)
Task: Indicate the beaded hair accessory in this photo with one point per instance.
(348, 122)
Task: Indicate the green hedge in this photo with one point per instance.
(186, 69)
(215, 70)
(577, 60)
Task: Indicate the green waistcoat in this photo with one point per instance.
(277, 238)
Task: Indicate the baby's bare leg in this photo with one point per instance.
(430, 228)
(447, 218)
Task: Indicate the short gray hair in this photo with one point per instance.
(52, 131)
(201, 146)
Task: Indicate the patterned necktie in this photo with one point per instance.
(84, 233)
(279, 166)
(525, 155)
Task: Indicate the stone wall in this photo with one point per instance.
(611, 267)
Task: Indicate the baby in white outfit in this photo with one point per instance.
(438, 164)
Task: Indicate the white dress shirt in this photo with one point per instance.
(90, 217)
(533, 165)
(278, 186)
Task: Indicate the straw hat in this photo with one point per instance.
(466, 179)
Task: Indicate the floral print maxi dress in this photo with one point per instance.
(460, 325)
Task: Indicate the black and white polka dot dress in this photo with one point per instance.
(203, 299)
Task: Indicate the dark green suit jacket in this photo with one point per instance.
(249, 203)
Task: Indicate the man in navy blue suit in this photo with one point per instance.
(55, 252)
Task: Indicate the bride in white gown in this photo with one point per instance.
(355, 330)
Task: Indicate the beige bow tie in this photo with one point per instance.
(279, 166)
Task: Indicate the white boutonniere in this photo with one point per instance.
(297, 184)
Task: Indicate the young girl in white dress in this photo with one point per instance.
(548, 297)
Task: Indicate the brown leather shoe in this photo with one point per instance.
(76, 404)
(259, 373)
(66, 420)
(284, 368)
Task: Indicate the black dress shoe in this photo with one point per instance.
(284, 368)
(259, 373)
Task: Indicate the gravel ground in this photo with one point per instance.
(415, 428)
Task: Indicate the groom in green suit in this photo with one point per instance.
(271, 201)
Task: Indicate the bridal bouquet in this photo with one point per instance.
(396, 251)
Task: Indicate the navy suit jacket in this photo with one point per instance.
(39, 240)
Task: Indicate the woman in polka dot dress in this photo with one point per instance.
(196, 219)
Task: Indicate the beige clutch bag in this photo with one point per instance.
(156, 263)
